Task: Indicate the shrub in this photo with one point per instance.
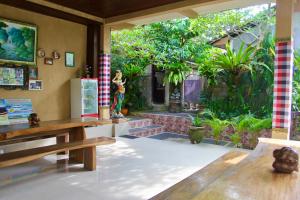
(217, 126)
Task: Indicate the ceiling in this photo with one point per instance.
(120, 14)
(110, 8)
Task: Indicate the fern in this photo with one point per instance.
(217, 126)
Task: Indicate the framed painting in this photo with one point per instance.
(33, 73)
(70, 59)
(12, 77)
(35, 85)
(18, 42)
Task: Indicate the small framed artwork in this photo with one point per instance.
(55, 55)
(41, 53)
(35, 85)
(48, 61)
(33, 73)
(70, 59)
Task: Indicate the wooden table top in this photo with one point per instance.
(251, 178)
(11, 131)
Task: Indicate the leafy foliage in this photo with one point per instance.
(296, 83)
(253, 126)
(170, 45)
(248, 76)
(197, 121)
(176, 73)
(217, 126)
(236, 139)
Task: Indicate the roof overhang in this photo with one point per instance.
(179, 9)
(190, 9)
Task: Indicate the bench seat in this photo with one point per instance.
(88, 145)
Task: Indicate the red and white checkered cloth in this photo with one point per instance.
(283, 78)
(104, 80)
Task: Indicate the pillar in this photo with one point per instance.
(104, 78)
(93, 47)
(283, 72)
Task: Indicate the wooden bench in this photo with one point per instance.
(70, 137)
(88, 146)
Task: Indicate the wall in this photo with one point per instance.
(53, 34)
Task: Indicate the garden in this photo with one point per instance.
(238, 93)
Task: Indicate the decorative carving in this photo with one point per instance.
(33, 120)
(286, 160)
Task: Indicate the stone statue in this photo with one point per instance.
(33, 120)
(119, 95)
(286, 160)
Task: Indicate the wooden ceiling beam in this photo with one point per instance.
(67, 10)
(187, 7)
(26, 5)
(189, 13)
(121, 26)
(165, 9)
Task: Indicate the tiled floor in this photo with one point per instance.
(128, 170)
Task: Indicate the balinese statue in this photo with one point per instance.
(119, 95)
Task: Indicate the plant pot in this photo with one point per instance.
(124, 111)
(175, 106)
(196, 134)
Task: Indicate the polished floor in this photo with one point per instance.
(131, 169)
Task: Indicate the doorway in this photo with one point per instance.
(158, 88)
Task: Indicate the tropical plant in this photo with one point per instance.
(236, 139)
(248, 124)
(233, 62)
(248, 76)
(176, 73)
(196, 131)
(217, 126)
(297, 59)
(207, 114)
(296, 82)
(197, 121)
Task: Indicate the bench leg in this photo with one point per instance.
(62, 139)
(90, 158)
(76, 134)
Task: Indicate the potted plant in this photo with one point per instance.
(236, 139)
(217, 126)
(196, 131)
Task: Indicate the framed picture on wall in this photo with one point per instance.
(48, 61)
(70, 59)
(12, 77)
(18, 42)
(35, 85)
(33, 73)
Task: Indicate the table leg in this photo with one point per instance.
(76, 134)
(90, 158)
(62, 139)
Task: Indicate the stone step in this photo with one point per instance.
(146, 131)
(140, 123)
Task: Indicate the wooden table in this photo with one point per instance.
(74, 127)
(242, 177)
